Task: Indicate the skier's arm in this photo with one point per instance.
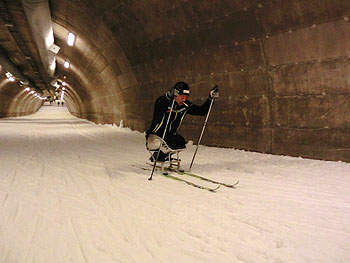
(202, 110)
(160, 107)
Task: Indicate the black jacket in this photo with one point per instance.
(162, 108)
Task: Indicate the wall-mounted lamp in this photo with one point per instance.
(10, 76)
(66, 64)
(70, 39)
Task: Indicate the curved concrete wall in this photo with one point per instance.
(14, 100)
(282, 67)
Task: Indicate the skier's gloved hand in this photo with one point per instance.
(214, 93)
(173, 92)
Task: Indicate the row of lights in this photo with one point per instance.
(34, 94)
(63, 90)
(11, 78)
(70, 42)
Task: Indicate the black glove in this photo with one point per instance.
(214, 93)
(173, 92)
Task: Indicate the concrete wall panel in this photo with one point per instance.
(282, 15)
(282, 66)
(317, 77)
(317, 42)
(328, 144)
(249, 138)
(322, 111)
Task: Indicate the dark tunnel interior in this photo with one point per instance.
(283, 66)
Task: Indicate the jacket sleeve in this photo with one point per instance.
(202, 110)
(160, 107)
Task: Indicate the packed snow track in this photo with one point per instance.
(71, 191)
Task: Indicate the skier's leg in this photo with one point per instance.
(153, 144)
(175, 141)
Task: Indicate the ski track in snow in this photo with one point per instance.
(69, 193)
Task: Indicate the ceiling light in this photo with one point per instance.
(63, 83)
(66, 64)
(10, 76)
(70, 39)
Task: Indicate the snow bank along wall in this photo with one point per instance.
(283, 68)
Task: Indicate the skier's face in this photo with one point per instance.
(180, 99)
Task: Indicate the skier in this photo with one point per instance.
(181, 107)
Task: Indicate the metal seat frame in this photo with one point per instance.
(174, 163)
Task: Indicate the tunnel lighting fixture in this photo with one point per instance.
(56, 85)
(70, 39)
(64, 88)
(31, 92)
(62, 94)
(27, 89)
(10, 77)
(66, 64)
(63, 83)
(54, 48)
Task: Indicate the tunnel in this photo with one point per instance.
(282, 67)
(263, 172)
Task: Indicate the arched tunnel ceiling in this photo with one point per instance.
(281, 66)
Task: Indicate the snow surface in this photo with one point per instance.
(69, 193)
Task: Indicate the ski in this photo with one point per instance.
(210, 189)
(203, 178)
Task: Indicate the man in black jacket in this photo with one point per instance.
(182, 106)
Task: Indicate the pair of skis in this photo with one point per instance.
(181, 172)
(215, 90)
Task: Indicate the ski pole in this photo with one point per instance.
(166, 126)
(200, 137)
